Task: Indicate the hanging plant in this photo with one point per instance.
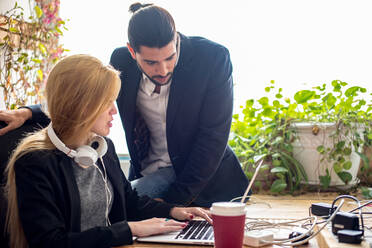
(28, 49)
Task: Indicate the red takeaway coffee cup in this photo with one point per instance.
(228, 224)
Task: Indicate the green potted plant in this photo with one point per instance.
(272, 128)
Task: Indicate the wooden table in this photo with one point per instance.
(283, 207)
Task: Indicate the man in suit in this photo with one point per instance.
(176, 104)
(176, 107)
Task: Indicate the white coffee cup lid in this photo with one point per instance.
(228, 208)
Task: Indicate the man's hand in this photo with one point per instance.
(189, 213)
(154, 226)
(14, 118)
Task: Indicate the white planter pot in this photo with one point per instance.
(305, 152)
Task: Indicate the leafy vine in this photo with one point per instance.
(28, 49)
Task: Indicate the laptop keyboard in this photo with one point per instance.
(197, 229)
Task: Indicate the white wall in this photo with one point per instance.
(125, 164)
(9, 4)
(6, 5)
(290, 41)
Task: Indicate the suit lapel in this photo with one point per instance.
(180, 81)
(176, 95)
(130, 91)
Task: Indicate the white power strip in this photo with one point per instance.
(255, 238)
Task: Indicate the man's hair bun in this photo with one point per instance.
(136, 6)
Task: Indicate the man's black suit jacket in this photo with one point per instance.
(198, 122)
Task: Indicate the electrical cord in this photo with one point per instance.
(358, 208)
(261, 225)
(278, 226)
(319, 230)
(285, 242)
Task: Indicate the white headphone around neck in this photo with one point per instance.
(85, 155)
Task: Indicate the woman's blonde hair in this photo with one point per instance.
(79, 88)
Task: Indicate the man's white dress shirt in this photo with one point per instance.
(153, 108)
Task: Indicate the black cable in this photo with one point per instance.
(359, 207)
(362, 206)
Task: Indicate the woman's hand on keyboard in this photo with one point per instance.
(190, 213)
(154, 226)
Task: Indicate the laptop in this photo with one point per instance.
(197, 232)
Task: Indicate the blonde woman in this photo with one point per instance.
(65, 187)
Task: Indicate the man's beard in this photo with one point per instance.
(170, 74)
